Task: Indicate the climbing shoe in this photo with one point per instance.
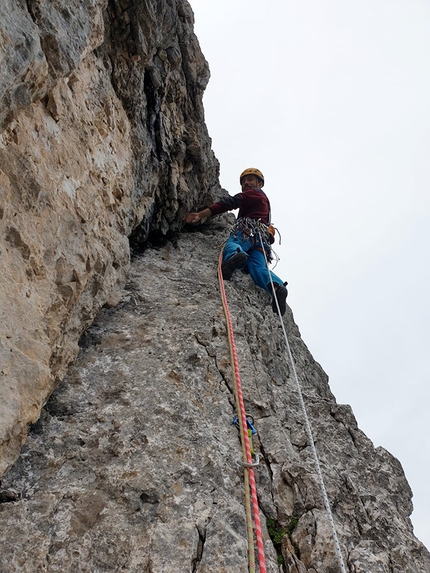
(281, 294)
(236, 261)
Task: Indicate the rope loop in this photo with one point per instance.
(250, 465)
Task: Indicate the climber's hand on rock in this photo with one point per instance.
(196, 217)
(192, 218)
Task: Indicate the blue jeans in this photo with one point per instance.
(256, 263)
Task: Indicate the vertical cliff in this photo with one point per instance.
(132, 465)
(102, 136)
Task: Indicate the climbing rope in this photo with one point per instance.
(308, 429)
(249, 478)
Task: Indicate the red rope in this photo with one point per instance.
(246, 449)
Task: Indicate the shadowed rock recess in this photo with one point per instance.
(131, 462)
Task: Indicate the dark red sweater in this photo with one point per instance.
(252, 203)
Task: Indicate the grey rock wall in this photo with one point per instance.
(133, 464)
(102, 137)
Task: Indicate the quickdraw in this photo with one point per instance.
(255, 228)
(251, 432)
(259, 234)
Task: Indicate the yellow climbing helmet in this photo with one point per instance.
(252, 171)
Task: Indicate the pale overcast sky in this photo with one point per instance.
(330, 99)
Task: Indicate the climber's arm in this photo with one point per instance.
(196, 217)
(227, 203)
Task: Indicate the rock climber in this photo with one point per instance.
(243, 249)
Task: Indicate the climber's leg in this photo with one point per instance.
(234, 254)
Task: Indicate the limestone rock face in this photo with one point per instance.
(133, 465)
(102, 137)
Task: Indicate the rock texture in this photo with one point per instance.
(133, 464)
(102, 136)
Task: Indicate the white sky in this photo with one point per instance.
(330, 99)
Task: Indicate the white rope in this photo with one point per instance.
(307, 425)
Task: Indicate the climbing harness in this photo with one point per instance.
(254, 228)
(309, 432)
(247, 461)
(262, 236)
